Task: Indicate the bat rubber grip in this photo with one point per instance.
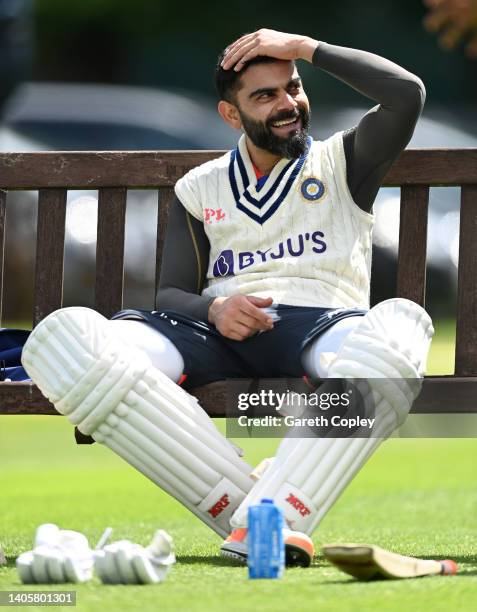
(448, 567)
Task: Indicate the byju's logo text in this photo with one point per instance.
(295, 247)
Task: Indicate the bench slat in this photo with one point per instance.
(50, 241)
(96, 169)
(3, 218)
(411, 272)
(152, 169)
(113, 172)
(109, 283)
(440, 394)
(166, 195)
(436, 167)
(466, 338)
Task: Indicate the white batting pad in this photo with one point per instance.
(391, 342)
(110, 390)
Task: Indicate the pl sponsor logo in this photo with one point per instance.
(220, 506)
(213, 215)
(228, 261)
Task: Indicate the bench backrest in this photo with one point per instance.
(113, 173)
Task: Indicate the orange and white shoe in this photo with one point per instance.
(299, 548)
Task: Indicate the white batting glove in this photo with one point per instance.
(124, 562)
(58, 556)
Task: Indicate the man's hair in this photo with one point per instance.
(228, 82)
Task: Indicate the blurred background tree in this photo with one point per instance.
(455, 22)
(167, 44)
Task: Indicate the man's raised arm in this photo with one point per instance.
(381, 135)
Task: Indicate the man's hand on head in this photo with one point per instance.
(240, 316)
(269, 43)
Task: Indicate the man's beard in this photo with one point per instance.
(263, 137)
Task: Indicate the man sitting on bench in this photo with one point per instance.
(266, 270)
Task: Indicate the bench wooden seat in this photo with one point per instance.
(114, 173)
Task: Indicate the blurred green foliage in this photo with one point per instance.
(170, 44)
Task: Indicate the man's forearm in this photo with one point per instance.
(185, 302)
(371, 75)
(356, 68)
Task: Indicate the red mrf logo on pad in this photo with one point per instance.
(219, 506)
(298, 505)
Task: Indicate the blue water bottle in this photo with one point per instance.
(266, 548)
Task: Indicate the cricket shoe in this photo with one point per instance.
(299, 548)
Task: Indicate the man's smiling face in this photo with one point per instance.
(273, 108)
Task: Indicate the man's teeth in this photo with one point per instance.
(284, 122)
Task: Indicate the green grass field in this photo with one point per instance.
(415, 496)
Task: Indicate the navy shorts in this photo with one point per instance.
(209, 356)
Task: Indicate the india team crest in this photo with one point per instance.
(312, 189)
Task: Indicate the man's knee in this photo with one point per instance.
(317, 356)
(161, 351)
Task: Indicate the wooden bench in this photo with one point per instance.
(113, 173)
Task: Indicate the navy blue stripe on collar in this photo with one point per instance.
(233, 182)
(278, 201)
(262, 201)
(243, 171)
(259, 203)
